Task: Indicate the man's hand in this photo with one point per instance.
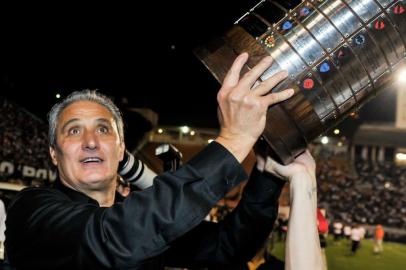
(242, 107)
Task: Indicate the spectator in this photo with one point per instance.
(323, 232)
(337, 230)
(347, 232)
(378, 239)
(356, 236)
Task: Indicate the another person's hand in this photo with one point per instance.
(303, 164)
(243, 108)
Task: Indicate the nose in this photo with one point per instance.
(90, 141)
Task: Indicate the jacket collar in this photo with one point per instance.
(78, 196)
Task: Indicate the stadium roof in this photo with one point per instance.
(382, 134)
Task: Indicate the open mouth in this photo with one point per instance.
(90, 160)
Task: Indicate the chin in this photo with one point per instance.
(98, 181)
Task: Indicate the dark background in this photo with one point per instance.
(141, 54)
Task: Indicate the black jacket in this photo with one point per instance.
(60, 228)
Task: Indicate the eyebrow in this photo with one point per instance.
(99, 120)
(104, 120)
(69, 122)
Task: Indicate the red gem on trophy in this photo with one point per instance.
(379, 25)
(399, 9)
(308, 84)
(340, 54)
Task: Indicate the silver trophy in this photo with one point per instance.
(339, 54)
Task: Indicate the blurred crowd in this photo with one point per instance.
(364, 194)
(23, 139)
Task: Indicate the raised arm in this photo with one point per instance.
(302, 250)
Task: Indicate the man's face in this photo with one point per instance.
(88, 147)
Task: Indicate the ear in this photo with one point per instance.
(53, 155)
(121, 151)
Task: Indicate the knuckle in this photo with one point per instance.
(220, 94)
(252, 102)
(219, 98)
(247, 100)
(234, 98)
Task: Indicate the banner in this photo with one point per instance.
(10, 170)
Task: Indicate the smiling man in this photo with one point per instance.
(82, 223)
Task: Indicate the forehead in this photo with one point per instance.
(84, 110)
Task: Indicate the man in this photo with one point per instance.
(378, 239)
(82, 223)
(356, 237)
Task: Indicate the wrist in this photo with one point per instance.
(239, 146)
(302, 179)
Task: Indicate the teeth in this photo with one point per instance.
(86, 160)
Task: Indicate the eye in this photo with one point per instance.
(74, 131)
(103, 129)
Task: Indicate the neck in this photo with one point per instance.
(105, 196)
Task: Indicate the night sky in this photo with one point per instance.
(140, 54)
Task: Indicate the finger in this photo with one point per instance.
(250, 77)
(260, 163)
(275, 168)
(273, 98)
(270, 83)
(233, 74)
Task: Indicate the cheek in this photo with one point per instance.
(119, 152)
(68, 151)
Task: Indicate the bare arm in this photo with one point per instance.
(302, 242)
(302, 250)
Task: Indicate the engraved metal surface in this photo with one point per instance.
(365, 9)
(358, 39)
(323, 31)
(285, 58)
(384, 3)
(368, 53)
(340, 16)
(304, 44)
(352, 70)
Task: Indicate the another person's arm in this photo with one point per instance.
(302, 243)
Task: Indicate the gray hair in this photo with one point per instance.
(84, 95)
